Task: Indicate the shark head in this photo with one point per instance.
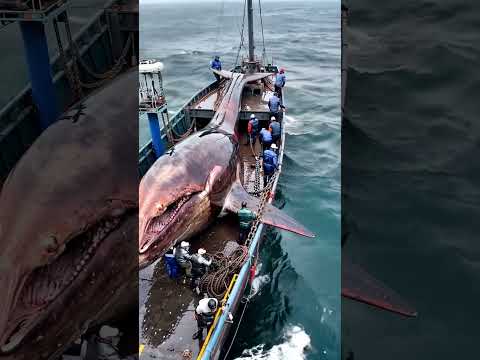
(177, 196)
(57, 217)
(46, 244)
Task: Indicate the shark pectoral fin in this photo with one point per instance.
(276, 217)
(271, 216)
(358, 285)
(223, 73)
(213, 176)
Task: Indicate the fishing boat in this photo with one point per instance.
(167, 306)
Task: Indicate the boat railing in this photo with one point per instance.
(31, 10)
(96, 27)
(217, 317)
(180, 122)
(18, 123)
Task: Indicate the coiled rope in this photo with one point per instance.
(215, 282)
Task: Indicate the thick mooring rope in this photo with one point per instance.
(215, 282)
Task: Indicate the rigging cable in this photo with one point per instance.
(241, 33)
(219, 26)
(264, 52)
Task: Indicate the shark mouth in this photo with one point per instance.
(37, 290)
(158, 226)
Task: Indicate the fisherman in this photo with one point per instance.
(200, 263)
(280, 80)
(108, 340)
(205, 314)
(183, 257)
(252, 130)
(216, 65)
(275, 130)
(274, 104)
(265, 138)
(246, 217)
(270, 163)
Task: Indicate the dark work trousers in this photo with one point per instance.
(243, 235)
(278, 90)
(266, 178)
(266, 145)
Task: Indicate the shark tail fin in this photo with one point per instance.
(271, 216)
(223, 73)
(256, 76)
(358, 285)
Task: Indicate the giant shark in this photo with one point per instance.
(184, 191)
(68, 226)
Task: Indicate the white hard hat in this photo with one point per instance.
(201, 251)
(252, 116)
(272, 118)
(107, 331)
(273, 146)
(184, 244)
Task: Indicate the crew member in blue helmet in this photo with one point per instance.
(280, 80)
(217, 65)
(270, 163)
(252, 130)
(275, 130)
(265, 138)
(275, 104)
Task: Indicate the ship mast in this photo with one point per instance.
(251, 46)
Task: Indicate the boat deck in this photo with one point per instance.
(167, 305)
(250, 102)
(256, 103)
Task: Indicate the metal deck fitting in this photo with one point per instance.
(32, 10)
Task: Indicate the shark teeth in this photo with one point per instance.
(46, 283)
(162, 221)
(49, 281)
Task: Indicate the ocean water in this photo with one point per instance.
(410, 175)
(295, 313)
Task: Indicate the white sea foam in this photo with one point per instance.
(296, 343)
(293, 126)
(259, 282)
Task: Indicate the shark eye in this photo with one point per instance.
(159, 206)
(51, 244)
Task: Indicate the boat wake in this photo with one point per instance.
(294, 126)
(295, 346)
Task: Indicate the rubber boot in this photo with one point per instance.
(198, 335)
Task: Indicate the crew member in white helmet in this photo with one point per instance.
(183, 257)
(200, 261)
(107, 343)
